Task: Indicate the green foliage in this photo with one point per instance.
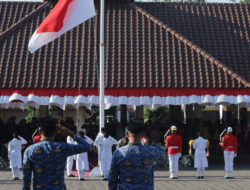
(32, 112)
(245, 1)
(155, 115)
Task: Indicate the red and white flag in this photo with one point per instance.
(66, 15)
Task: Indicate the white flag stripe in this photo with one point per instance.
(78, 12)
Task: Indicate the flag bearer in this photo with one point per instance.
(229, 144)
(200, 159)
(174, 146)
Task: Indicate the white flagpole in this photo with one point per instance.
(101, 85)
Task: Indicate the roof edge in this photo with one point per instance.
(23, 20)
(191, 45)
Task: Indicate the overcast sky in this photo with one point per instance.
(218, 1)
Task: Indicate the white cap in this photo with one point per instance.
(229, 129)
(173, 128)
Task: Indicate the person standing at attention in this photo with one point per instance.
(174, 146)
(200, 159)
(229, 144)
(132, 165)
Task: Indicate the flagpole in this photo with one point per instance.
(101, 85)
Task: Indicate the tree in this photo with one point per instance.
(245, 1)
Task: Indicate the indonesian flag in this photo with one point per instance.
(66, 15)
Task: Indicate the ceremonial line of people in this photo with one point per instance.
(131, 164)
(201, 147)
(105, 142)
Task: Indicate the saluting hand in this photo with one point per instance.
(64, 131)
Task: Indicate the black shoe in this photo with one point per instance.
(71, 175)
(198, 177)
(16, 178)
(202, 177)
(105, 179)
(82, 179)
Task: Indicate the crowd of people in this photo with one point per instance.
(57, 145)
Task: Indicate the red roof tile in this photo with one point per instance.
(158, 45)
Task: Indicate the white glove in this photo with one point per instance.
(235, 155)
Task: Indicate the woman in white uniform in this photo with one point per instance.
(14, 154)
(82, 162)
(200, 159)
(105, 143)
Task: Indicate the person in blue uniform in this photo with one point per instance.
(47, 159)
(132, 165)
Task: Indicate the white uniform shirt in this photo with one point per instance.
(105, 145)
(14, 152)
(200, 158)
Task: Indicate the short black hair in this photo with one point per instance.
(200, 134)
(81, 134)
(136, 128)
(48, 126)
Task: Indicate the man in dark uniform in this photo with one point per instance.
(132, 165)
(47, 159)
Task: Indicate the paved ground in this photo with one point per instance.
(213, 181)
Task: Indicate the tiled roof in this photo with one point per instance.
(145, 48)
(222, 30)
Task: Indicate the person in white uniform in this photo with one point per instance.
(200, 159)
(82, 162)
(14, 154)
(70, 159)
(105, 143)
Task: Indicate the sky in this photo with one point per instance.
(209, 1)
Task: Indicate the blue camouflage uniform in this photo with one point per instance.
(47, 161)
(132, 167)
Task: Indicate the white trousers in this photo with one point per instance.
(105, 166)
(69, 165)
(173, 162)
(228, 159)
(200, 171)
(15, 172)
(81, 174)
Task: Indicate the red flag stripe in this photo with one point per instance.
(54, 21)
